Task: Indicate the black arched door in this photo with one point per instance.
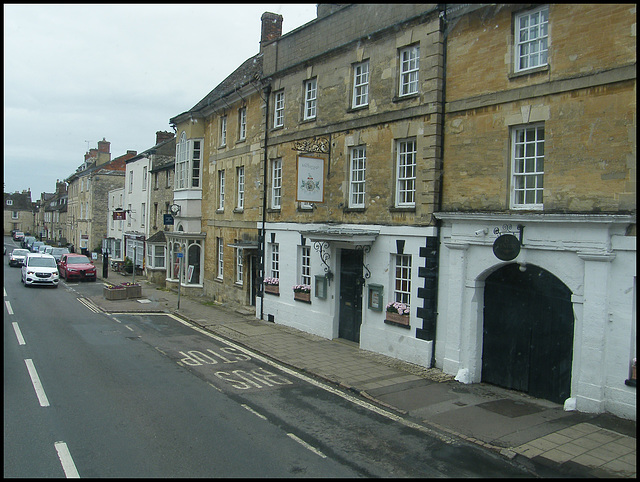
(528, 332)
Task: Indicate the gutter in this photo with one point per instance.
(262, 237)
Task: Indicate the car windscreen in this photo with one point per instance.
(59, 251)
(42, 263)
(77, 260)
(19, 252)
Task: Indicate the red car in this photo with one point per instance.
(76, 266)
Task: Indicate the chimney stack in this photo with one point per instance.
(162, 136)
(271, 28)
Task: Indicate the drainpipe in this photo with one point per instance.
(267, 92)
(443, 15)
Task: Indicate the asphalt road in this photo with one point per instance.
(146, 395)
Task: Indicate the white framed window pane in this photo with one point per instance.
(239, 265)
(310, 99)
(241, 187)
(406, 173)
(221, 189)
(528, 167)
(223, 131)
(158, 259)
(361, 84)
(532, 39)
(275, 260)
(278, 116)
(195, 164)
(220, 257)
(402, 285)
(409, 67)
(357, 177)
(276, 184)
(243, 123)
(305, 265)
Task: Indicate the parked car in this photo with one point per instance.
(41, 269)
(77, 266)
(18, 236)
(17, 256)
(42, 248)
(28, 241)
(36, 245)
(58, 252)
(48, 249)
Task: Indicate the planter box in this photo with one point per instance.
(114, 294)
(306, 297)
(134, 291)
(396, 319)
(273, 289)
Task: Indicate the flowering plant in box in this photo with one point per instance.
(302, 288)
(129, 284)
(115, 287)
(271, 281)
(397, 307)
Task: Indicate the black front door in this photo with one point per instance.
(528, 332)
(351, 282)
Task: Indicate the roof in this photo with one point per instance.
(21, 201)
(157, 238)
(249, 71)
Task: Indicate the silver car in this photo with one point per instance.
(17, 256)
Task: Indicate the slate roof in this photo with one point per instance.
(21, 201)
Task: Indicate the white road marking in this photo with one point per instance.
(68, 465)
(128, 327)
(307, 446)
(35, 380)
(8, 305)
(247, 407)
(16, 328)
(90, 305)
(328, 388)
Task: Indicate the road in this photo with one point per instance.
(91, 394)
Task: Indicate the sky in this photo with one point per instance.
(75, 74)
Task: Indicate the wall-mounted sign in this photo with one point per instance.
(119, 215)
(506, 247)
(167, 219)
(310, 180)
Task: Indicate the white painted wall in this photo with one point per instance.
(590, 254)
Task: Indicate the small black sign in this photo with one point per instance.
(168, 219)
(506, 247)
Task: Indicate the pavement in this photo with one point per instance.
(537, 433)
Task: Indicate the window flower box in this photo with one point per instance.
(272, 285)
(302, 293)
(397, 314)
(114, 293)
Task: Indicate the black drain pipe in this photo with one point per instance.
(262, 237)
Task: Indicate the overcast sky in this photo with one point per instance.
(74, 74)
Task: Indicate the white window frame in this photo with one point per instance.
(221, 189)
(242, 118)
(304, 276)
(402, 279)
(180, 181)
(196, 156)
(223, 130)
(357, 176)
(278, 109)
(14, 215)
(406, 154)
(128, 214)
(274, 266)
(130, 181)
(143, 216)
(361, 84)
(144, 178)
(310, 99)
(9, 202)
(240, 178)
(220, 258)
(239, 266)
(409, 70)
(531, 39)
(276, 183)
(527, 166)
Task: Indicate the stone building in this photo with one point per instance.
(51, 223)
(353, 175)
(225, 131)
(88, 190)
(19, 212)
(537, 277)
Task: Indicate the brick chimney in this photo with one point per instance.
(271, 28)
(162, 136)
(104, 145)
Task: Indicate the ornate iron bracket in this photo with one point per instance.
(322, 247)
(365, 250)
(508, 229)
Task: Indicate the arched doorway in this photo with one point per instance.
(528, 332)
